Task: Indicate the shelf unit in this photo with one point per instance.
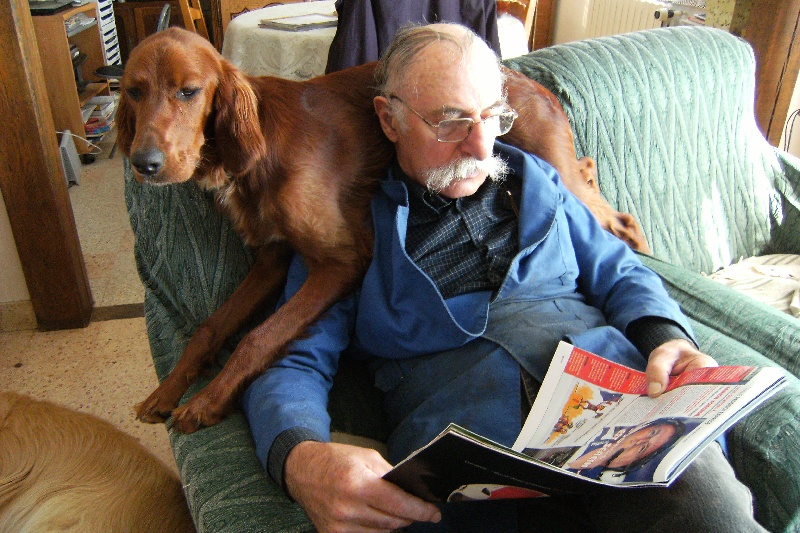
(108, 29)
(54, 49)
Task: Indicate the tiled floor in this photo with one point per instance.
(105, 368)
(105, 233)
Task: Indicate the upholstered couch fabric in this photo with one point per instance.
(668, 115)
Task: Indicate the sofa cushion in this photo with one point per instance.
(684, 157)
(770, 279)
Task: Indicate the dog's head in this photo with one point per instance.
(185, 112)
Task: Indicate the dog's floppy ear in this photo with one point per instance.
(237, 130)
(126, 125)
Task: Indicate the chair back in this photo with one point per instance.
(223, 11)
(193, 18)
(524, 10)
(668, 116)
(163, 18)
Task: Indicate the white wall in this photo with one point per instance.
(12, 281)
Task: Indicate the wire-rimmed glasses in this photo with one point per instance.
(453, 130)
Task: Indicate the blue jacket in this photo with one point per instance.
(570, 279)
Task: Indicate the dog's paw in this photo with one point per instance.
(155, 409)
(197, 413)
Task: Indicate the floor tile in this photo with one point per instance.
(103, 369)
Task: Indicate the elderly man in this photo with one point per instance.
(483, 261)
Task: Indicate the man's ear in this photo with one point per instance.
(383, 110)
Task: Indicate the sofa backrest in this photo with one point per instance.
(668, 116)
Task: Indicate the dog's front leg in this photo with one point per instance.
(326, 283)
(261, 287)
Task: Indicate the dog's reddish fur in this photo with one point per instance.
(294, 165)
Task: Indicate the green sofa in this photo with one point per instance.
(668, 116)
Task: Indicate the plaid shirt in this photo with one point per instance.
(466, 244)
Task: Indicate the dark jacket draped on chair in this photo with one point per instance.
(367, 26)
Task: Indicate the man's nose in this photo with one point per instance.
(480, 141)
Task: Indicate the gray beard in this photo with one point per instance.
(439, 178)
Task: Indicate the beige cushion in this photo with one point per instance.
(771, 279)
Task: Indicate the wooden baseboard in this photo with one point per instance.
(116, 312)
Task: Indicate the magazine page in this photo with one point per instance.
(459, 465)
(593, 417)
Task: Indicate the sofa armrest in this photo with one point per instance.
(762, 328)
(190, 260)
(737, 330)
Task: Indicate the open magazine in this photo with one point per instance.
(591, 425)
(311, 21)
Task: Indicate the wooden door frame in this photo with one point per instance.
(33, 184)
(772, 30)
(543, 24)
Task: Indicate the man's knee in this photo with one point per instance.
(705, 497)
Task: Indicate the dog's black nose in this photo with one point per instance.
(148, 161)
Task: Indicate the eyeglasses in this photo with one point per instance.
(453, 130)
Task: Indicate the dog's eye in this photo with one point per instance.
(133, 93)
(187, 93)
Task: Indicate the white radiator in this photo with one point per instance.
(583, 19)
(612, 17)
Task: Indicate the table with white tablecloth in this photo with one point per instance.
(293, 55)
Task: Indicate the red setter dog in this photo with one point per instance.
(294, 165)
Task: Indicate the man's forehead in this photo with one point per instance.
(449, 80)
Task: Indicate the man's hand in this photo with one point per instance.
(671, 359)
(341, 489)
